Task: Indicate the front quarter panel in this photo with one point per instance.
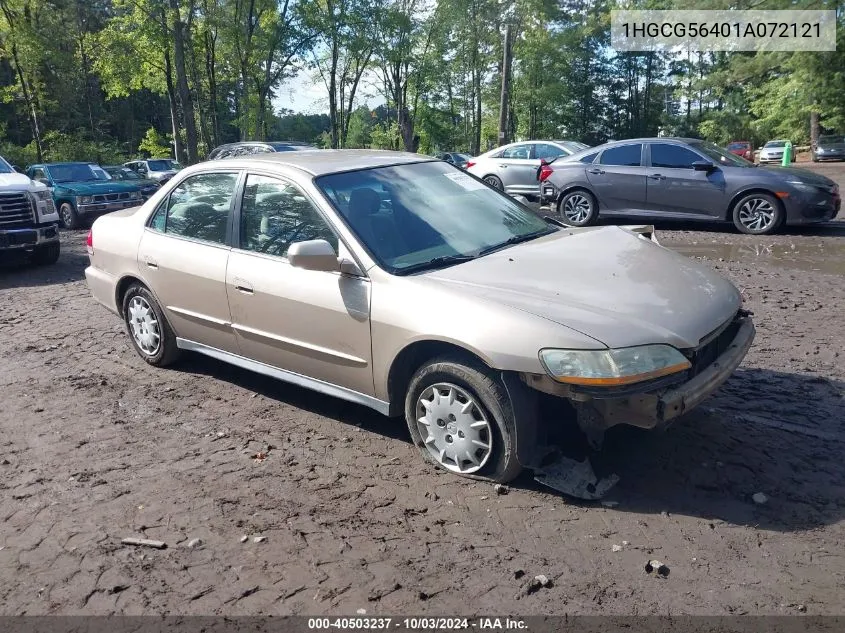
(406, 310)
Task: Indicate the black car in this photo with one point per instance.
(244, 148)
(681, 178)
(455, 158)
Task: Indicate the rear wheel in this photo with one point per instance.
(148, 328)
(494, 181)
(46, 254)
(758, 214)
(578, 208)
(460, 417)
(70, 218)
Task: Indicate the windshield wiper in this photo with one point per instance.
(437, 262)
(516, 239)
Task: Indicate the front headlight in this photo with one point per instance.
(84, 199)
(612, 367)
(134, 195)
(42, 195)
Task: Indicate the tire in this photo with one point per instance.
(578, 208)
(758, 214)
(70, 218)
(144, 321)
(47, 254)
(487, 423)
(494, 181)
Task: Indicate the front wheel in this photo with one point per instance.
(70, 218)
(758, 214)
(148, 328)
(460, 417)
(578, 208)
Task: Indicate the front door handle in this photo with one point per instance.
(241, 285)
(151, 263)
(657, 177)
(503, 166)
(595, 171)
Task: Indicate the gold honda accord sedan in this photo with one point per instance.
(407, 285)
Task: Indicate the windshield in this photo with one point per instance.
(720, 156)
(426, 215)
(123, 174)
(775, 144)
(5, 168)
(100, 173)
(829, 140)
(738, 146)
(161, 165)
(463, 157)
(573, 146)
(72, 172)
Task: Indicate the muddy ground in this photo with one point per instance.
(96, 446)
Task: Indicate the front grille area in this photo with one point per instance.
(702, 357)
(111, 197)
(16, 211)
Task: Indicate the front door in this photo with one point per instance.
(312, 323)
(183, 256)
(674, 188)
(518, 169)
(618, 179)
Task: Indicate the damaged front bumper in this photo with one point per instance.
(660, 404)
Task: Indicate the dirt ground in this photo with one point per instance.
(96, 446)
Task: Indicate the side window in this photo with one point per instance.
(159, 219)
(198, 208)
(275, 214)
(38, 173)
(521, 152)
(589, 158)
(624, 155)
(672, 156)
(544, 150)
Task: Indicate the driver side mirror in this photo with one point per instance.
(703, 165)
(313, 255)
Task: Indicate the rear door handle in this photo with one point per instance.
(657, 177)
(243, 286)
(595, 171)
(151, 263)
(503, 166)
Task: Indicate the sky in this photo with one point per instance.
(306, 93)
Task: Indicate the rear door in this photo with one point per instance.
(184, 253)
(674, 188)
(517, 168)
(619, 179)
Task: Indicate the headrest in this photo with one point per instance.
(364, 201)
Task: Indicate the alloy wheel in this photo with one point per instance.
(757, 214)
(493, 182)
(454, 428)
(144, 325)
(576, 208)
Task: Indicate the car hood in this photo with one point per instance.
(606, 283)
(831, 145)
(14, 181)
(793, 173)
(94, 188)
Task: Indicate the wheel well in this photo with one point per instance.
(62, 201)
(742, 194)
(122, 288)
(412, 358)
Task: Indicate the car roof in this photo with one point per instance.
(62, 163)
(319, 162)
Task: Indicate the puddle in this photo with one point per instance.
(823, 258)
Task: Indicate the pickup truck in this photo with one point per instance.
(28, 218)
(80, 194)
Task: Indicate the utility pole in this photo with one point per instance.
(506, 80)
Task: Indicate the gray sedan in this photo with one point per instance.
(686, 179)
(830, 147)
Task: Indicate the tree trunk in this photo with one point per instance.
(178, 149)
(814, 129)
(333, 92)
(184, 90)
(504, 99)
(30, 106)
